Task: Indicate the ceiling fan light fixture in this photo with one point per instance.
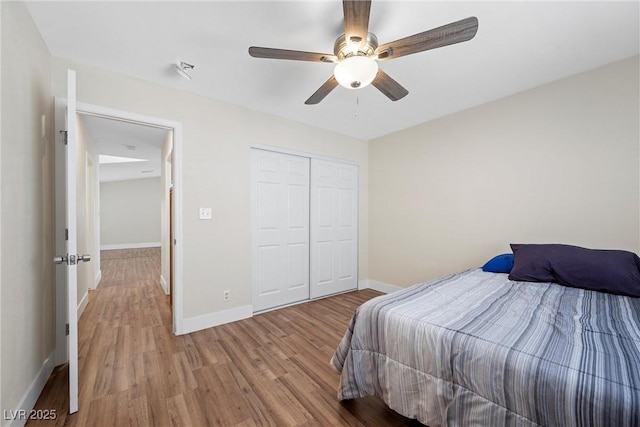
(183, 68)
(355, 72)
(353, 45)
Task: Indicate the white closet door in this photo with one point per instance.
(280, 221)
(334, 227)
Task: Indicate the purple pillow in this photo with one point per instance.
(613, 271)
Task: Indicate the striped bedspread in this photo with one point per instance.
(475, 349)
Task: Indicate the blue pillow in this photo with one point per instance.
(499, 264)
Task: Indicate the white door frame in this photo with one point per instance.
(92, 207)
(176, 127)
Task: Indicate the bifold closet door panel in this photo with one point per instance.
(280, 222)
(334, 227)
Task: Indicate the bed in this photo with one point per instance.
(478, 349)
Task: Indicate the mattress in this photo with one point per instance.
(475, 349)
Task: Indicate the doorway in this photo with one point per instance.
(174, 132)
(134, 177)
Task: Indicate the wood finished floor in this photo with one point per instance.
(271, 369)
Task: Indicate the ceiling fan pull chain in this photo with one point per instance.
(355, 110)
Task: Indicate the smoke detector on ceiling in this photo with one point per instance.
(184, 68)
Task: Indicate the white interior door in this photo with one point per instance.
(72, 243)
(68, 279)
(334, 227)
(280, 222)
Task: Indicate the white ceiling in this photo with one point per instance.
(124, 139)
(519, 45)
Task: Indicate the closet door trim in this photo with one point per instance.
(302, 154)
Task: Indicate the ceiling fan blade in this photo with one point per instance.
(356, 19)
(323, 91)
(388, 86)
(456, 32)
(296, 55)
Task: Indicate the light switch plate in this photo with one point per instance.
(205, 213)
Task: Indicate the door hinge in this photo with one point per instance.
(66, 329)
(64, 134)
(66, 234)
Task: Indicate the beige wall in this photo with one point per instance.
(558, 163)
(27, 284)
(130, 211)
(216, 158)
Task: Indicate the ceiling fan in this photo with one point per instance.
(356, 51)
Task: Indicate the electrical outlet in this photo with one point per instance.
(227, 296)
(205, 213)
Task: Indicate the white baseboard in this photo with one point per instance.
(18, 416)
(363, 284)
(205, 321)
(379, 286)
(83, 304)
(98, 278)
(129, 246)
(164, 285)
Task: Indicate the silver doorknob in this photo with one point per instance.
(60, 259)
(85, 258)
